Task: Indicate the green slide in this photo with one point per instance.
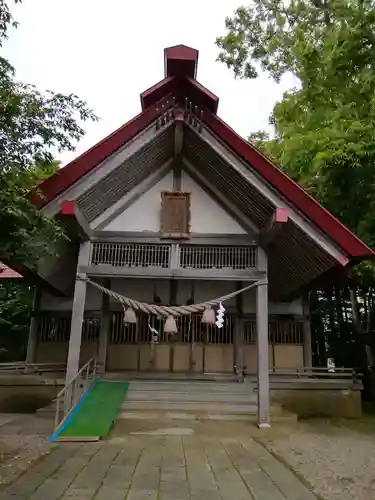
(94, 416)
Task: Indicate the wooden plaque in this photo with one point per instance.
(175, 214)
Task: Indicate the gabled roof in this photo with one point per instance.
(7, 272)
(181, 86)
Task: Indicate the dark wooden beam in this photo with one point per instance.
(178, 133)
(276, 224)
(154, 237)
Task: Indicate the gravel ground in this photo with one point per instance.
(23, 440)
(336, 459)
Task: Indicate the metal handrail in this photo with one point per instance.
(318, 372)
(72, 392)
(25, 367)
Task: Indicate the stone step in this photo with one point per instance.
(194, 396)
(189, 406)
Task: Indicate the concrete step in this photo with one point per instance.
(277, 415)
(47, 410)
(188, 406)
(193, 396)
(152, 376)
(162, 416)
(193, 386)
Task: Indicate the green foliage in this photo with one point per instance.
(32, 124)
(15, 308)
(323, 135)
(324, 129)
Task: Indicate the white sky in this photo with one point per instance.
(109, 52)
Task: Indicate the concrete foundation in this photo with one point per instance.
(26, 393)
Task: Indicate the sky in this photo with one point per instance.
(108, 52)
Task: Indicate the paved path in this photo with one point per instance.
(160, 468)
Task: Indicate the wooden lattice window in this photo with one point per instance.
(175, 215)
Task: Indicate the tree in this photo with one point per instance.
(32, 124)
(15, 307)
(323, 129)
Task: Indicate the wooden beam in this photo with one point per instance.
(104, 270)
(276, 224)
(75, 220)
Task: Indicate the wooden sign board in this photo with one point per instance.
(175, 215)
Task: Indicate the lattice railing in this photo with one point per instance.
(189, 256)
(54, 327)
(279, 332)
(218, 257)
(131, 254)
(190, 329)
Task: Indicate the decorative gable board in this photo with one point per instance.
(206, 215)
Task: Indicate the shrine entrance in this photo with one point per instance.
(195, 348)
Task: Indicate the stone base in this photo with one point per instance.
(264, 425)
(320, 402)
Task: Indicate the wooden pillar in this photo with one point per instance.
(262, 344)
(105, 326)
(307, 351)
(77, 315)
(262, 355)
(239, 336)
(307, 347)
(33, 330)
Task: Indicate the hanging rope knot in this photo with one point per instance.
(83, 277)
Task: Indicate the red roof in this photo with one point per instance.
(7, 272)
(180, 85)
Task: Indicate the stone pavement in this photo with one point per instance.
(159, 467)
